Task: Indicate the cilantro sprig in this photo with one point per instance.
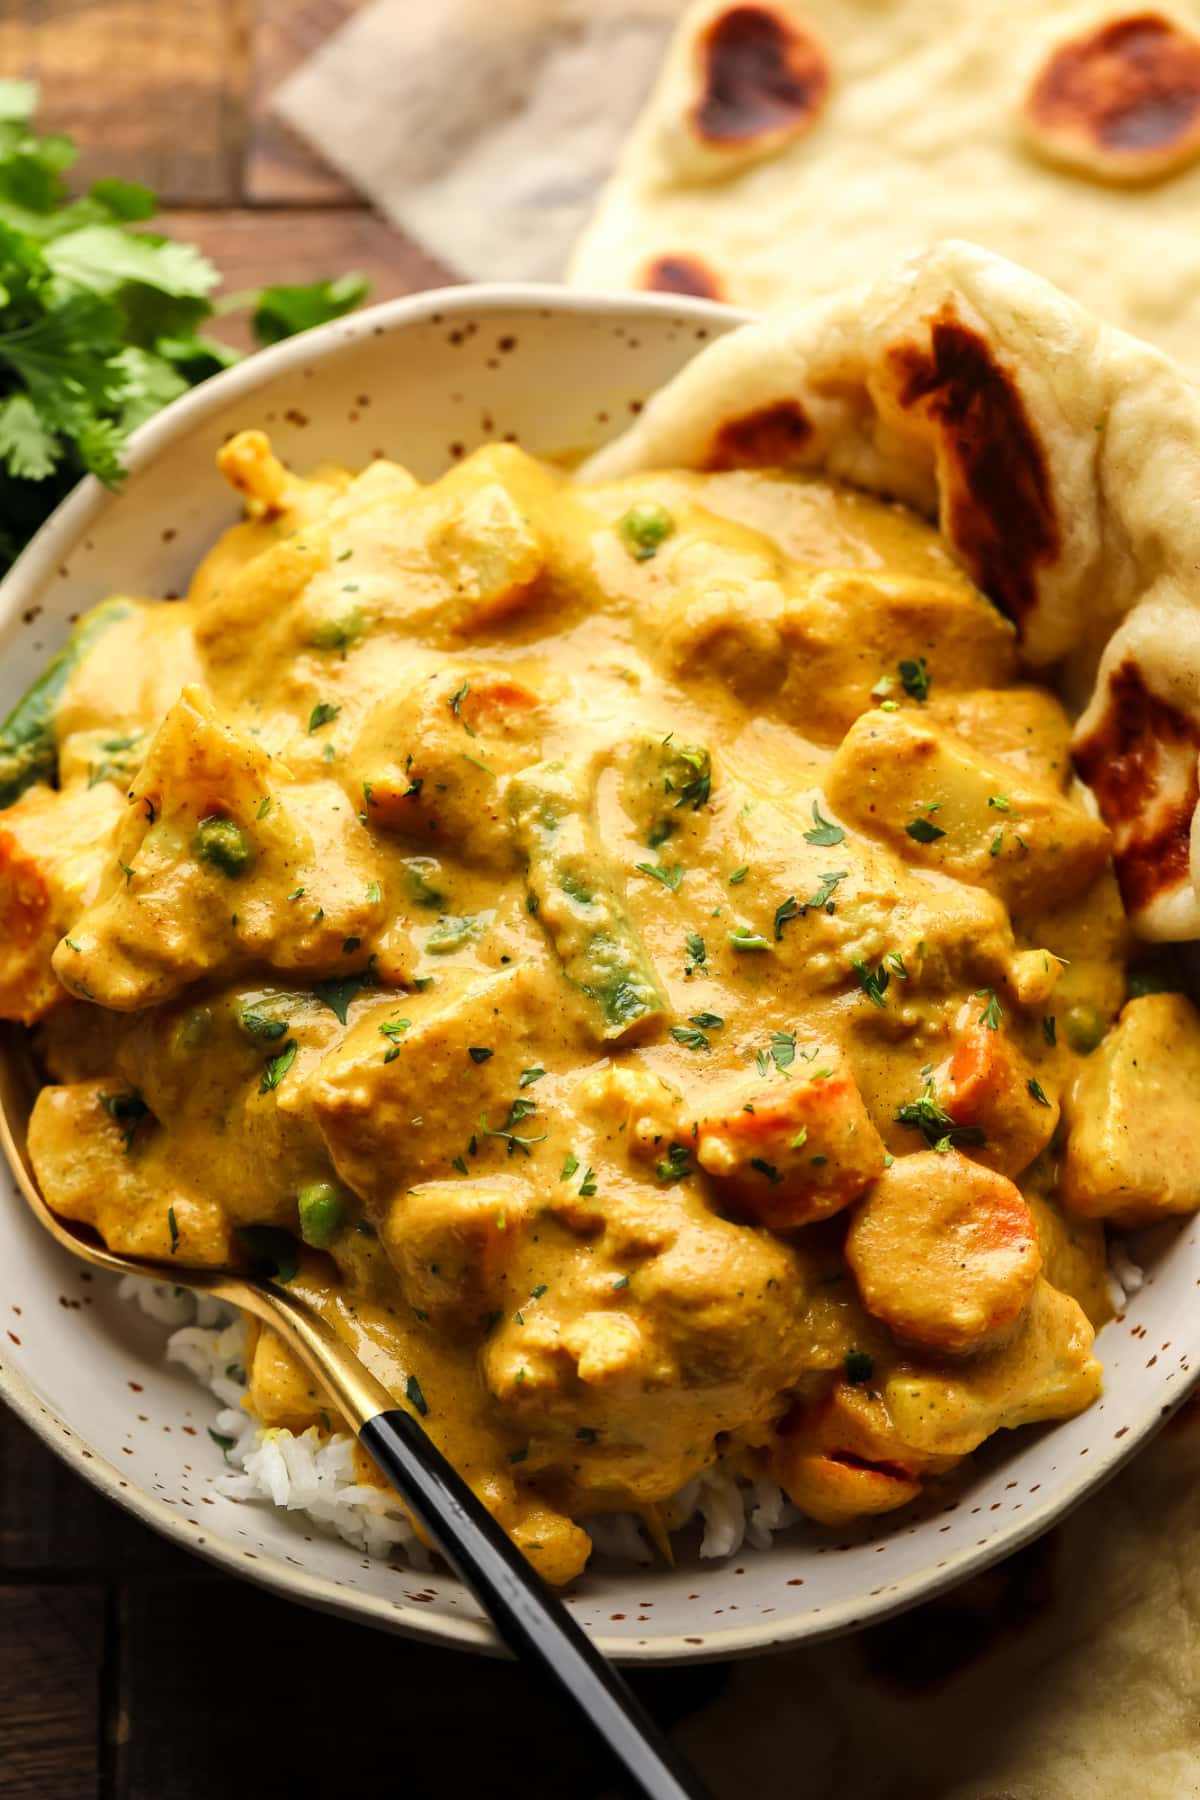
(100, 320)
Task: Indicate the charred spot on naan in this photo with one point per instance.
(1121, 101)
(1141, 762)
(998, 500)
(775, 436)
(764, 79)
(682, 273)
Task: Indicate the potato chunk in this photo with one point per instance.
(941, 804)
(54, 849)
(992, 1087)
(221, 847)
(840, 637)
(430, 761)
(1027, 726)
(795, 1151)
(1045, 1370)
(452, 1243)
(944, 1252)
(93, 1162)
(391, 1121)
(1133, 1154)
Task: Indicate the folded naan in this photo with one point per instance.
(1061, 458)
(790, 149)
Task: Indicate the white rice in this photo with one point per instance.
(1124, 1275)
(314, 1474)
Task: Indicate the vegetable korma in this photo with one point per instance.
(634, 955)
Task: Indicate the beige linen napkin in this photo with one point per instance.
(1069, 1672)
(485, 128)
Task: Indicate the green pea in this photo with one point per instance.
(322, 1213)
(339, 634)
(644, 527)
(225, 845)
(1084, 1026)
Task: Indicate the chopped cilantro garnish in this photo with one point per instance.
(874, 986)
(676, 1165)
(767, 1169)
(479, 1053)
(914, 677)
(323, 713)
(859, 1365)
(924, 831)
(742, 938)
(670, 877)
(690, 1037)
(926, 1115)
(277, 1067)
(823, 832)
(1039, 1093)
(416, 1398)
(992, 1012)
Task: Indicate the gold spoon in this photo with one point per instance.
(528, 1616)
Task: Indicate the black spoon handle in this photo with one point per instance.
(530, 1618)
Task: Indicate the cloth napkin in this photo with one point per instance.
(484, 128)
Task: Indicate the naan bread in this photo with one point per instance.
(791, 149)
(1062, 459)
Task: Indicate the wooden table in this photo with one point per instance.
(129, 1671)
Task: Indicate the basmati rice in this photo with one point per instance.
(314, 1474)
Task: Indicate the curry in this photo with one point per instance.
(635, 956)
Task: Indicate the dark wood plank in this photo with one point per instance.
(253, 247)
(243, 1693)
(55, 1527)
(151, 90)
(51, 1657)
(280, 168)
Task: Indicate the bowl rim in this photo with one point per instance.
(44, 551)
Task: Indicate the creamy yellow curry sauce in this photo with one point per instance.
(634, 955)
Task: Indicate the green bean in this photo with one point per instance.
(577, 901)
(28, 743)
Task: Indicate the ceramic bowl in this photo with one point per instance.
(424, 380)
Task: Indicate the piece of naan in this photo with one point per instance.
(792, 149)
(1062, 460)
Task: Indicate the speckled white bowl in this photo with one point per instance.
(424, 380)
